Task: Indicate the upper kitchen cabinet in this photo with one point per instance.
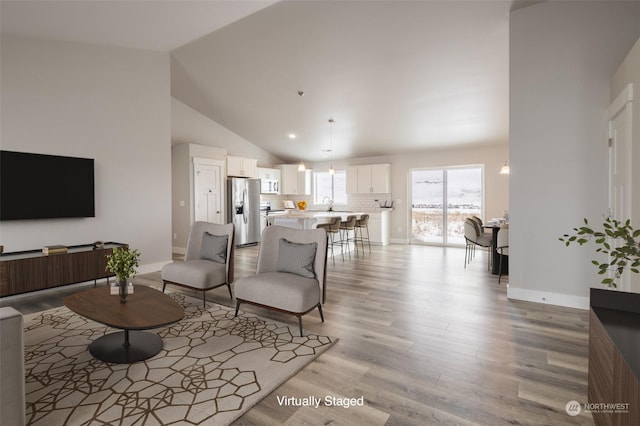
(293, 182)
(242, 167)
(372, 178)
(268, 174)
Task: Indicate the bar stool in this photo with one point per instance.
(347, 226)
(333, 228)
(363, 223)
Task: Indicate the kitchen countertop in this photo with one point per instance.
(307, 219)
(311, 214)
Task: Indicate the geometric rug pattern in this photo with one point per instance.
(212, 369)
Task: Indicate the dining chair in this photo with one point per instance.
(475, 237)
(502, 244)
(480, 224)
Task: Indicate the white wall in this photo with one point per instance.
(183, 199)
(110, 104)
(629, 72)
(562, 57)
(496, 196)
(192, 127)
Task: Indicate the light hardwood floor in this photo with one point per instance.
(424, 341)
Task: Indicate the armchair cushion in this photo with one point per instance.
(297, 258)
(196, 273)
(214, 247)
(280, 290)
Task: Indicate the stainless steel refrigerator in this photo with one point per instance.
(243, 209)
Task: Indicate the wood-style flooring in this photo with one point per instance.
(424, 341)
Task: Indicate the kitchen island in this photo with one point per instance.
(309, 219)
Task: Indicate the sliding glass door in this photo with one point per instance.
(441, 199)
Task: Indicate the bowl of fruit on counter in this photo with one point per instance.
(302, 205)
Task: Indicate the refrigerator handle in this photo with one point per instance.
(244, 203)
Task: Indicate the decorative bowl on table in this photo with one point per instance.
(302, 205)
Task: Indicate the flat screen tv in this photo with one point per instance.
(38, 186)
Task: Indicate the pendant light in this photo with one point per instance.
(301, 167)
(505, 169)
(332, 171)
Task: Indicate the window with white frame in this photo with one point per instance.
(330, 187)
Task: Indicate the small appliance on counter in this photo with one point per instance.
(386, 204)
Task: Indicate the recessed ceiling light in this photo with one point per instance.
(292, 136)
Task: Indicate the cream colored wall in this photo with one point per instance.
(629, 72)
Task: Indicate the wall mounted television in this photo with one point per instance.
(39, 186)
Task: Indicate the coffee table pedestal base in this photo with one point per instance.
(126, 346)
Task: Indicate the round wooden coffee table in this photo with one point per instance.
(146, 308)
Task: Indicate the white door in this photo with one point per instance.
(620, 119)
(208, 191)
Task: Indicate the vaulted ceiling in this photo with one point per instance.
(396, 76)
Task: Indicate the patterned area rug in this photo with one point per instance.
(213, 368)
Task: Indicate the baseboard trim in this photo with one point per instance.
(399, 241)
(548, 298)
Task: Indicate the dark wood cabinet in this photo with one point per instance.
(27, 271)
(614, 358)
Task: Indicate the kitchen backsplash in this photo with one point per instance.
(368, 203)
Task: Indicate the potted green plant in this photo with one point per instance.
(617, 239)
(123, 263)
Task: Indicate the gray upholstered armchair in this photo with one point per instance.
(291, 272)
(208, 261)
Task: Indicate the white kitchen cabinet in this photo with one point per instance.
(268, 174)
(352, 179)
(293, 182)
(242, 167)
(380, 228)
(372, 178)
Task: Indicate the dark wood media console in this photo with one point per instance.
(614, 358)
(26, 271)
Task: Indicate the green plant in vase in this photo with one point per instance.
(123, 263)
(617, 239)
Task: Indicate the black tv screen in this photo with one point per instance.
(38, 186)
